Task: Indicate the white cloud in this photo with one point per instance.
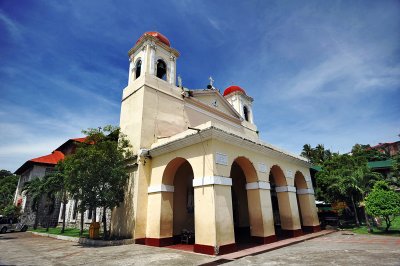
(12, 27)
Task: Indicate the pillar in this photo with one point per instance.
(308, 210)
(288, 210)
(159, 231)
(214, 232)
(260, 212)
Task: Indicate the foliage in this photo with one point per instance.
(368, 153)
(96, 174)
(34, 189)
(383, 202)
(8, 185)
(316, 155)
(344, 175)
(55, 187)
(11, 211)
(394, 177)
(345, 178)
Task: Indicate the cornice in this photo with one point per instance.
(232, 139)
(154, 39)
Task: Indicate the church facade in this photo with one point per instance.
(201, 169)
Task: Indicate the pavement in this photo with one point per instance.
(338, 248)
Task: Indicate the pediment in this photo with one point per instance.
(213, 99)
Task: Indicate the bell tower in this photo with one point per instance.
(242, 103)
(152, 108)
(153, 55)
(151, 97)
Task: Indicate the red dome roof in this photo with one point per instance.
(158, 35)
(232, 89)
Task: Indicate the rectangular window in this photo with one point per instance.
(75, 210)
(90, 213)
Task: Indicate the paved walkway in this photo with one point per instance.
(338, 248)
(273, 246)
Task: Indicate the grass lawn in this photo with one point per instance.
(57, 231)
(394, 229)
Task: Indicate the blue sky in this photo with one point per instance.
(319, 71)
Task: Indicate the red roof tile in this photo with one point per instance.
(158, 35)
(232, 89)
(79, 139)
(52, 158)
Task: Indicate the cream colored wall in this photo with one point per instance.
(122, 218)
(223, 215)
(288, 210)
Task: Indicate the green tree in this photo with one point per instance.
(97, 173)
(346, 178)
(383, 202)
(55, 187)
(8, 185)
(394, 177)
(34, 190)
(316, 155)
(368, 153)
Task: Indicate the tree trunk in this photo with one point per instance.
(35, 224)
(82, 216)
(388, 223)
(48, 220)
(355, 211)
(105, 235)
(94, 215)
(370, 230)
(63, 214)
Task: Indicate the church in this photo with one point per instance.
(201, 174)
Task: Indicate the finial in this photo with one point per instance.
(211, 81)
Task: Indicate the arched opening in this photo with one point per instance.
(276, 179)
(183, 209)
(240, 208)
(161, 69)
(246, 113)
(179, 206)
(242, 172)
(138, 68)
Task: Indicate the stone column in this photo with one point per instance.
(131, 69)
(152, 59)
(172, 70)
(159, 231)
(260, 212)
(308, 210)
(288, 210)
(214, 232)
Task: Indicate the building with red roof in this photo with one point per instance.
(37, 168)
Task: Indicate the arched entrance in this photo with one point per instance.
(177, 207)
(245, 203)
(241, 221)
(183, 209)
(276, 179)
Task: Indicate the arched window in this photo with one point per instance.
(138, 68)
(161, 69)
(246, 113)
